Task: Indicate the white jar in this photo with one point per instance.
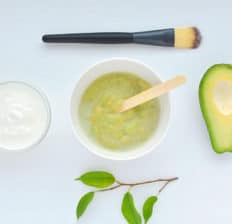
(25, 116)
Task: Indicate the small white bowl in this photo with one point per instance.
(119, 65)
(43, 100)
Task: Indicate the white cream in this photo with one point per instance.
(24, 116)
(223, 96)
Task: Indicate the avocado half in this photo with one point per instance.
(215, 95)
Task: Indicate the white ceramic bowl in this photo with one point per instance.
(118, 65)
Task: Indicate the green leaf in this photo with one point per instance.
(98, 179)
(129, 211)
(148, 207)
(83, 204)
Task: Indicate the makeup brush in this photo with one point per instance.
(175, 37)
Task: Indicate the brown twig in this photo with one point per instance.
(121, 184)
(162, 188)
(109, 189)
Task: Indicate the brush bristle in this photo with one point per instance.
(189, 37)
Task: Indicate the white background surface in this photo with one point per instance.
(37, 187)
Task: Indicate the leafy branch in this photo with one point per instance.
(130, 185)
(105, 181)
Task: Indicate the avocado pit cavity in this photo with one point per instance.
(223, 96)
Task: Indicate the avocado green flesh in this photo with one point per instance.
(215, 94)
(99, 117)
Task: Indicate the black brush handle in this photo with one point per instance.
(165, 37)
(97, 38)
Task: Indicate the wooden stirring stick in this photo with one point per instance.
(152, 93)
